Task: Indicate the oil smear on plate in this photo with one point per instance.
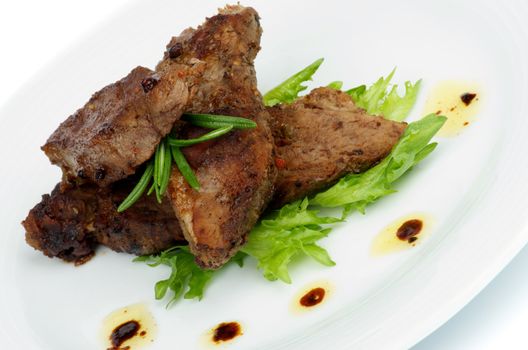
(311, 296)
(131, 327)
(402, 234)
(458, 101)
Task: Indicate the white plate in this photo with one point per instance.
(473, 185)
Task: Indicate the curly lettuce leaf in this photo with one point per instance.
(356, 191)
(185, 274)
(289, 89)
(379, 100)
(290, 232)
(337, 85)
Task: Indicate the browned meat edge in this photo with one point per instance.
(236, 172)
(323, 136)
(62, 224)
(69, 224)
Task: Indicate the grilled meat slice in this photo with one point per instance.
(323, 136)
(119, 128)
(121, 125)
(316, 138)
(69, 224)
(216, 60)
(236, 172)
(215, 65)
(236, 175)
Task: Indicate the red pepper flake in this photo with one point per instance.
(280, 163)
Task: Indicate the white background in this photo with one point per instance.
(33, 32)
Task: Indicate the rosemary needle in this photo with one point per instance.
(138, 190)
(185, 168)
(212, 121)
(165, 176)
(159, 168)
(206, 137)
(160, 162)
(151, 189)
(158, 195)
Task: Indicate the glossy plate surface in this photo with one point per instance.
(472, 188)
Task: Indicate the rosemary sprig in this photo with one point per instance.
(212, 121)
(209, 136)
(158, 170)
(185, 168)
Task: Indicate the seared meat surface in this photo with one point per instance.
(69, 224)
(323, 136)
(313, 142)
(208, 70)
(236, 172)
(121, 125)
(119, 128)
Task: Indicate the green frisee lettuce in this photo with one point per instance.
(289, 90)
(185, 274)
(294, 230)
(288, 233)
(378, 99)
(355, 191)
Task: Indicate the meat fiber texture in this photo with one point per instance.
(323, 136)
(236, 172)
(70, 223)
(208, 69)
(63, 224)
(120, 126)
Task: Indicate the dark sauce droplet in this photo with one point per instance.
(226, 331)
(313, 297)
(409, 230)
(467, 97)
(123, 332)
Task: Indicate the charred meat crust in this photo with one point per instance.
(323, 136)
(317, 139)
(118, 129)
(53, 228)
(69, 224)
(236, 172)
(237, 175)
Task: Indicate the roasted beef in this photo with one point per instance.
(323, 136)
(121, 125)
(236, 172)
(119, 128)
(69, 223)
(313, 142)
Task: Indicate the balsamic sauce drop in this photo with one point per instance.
(467, 98)
(226, 331)
(409, 230)
(123, 332)
(313, 297)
